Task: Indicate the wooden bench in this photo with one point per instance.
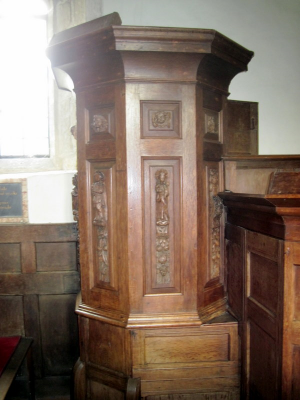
(22, 351)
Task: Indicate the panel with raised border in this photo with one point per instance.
(160, 119)
(162, 225)
(103, 204)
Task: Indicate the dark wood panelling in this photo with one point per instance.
(268, 301)
(57, 321)
(56, 257)
(234, 258)
(10, 257)
(263, 382)
(263, 281)
(102, 340)
(39, 282)
(12, 321)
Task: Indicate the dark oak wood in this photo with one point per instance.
(263, 249)
(151, 110)
(39, 283)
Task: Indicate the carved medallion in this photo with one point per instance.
(161, 119)
(99, 123)
(162, 227)
(99, 199)
(215, 213)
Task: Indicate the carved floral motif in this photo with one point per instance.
(99, 123)
(211, 124)
(215, 213)
(75, 197)
(162, 227)
(75, 216)
(161, 119)
(99, 199)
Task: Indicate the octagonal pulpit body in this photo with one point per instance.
(151, 106)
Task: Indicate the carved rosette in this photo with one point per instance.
(161, 119)
(99, 199)
(215, 214)
(162, 227)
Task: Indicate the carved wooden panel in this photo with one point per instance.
(160, 119)
(101, 122)
(75, 197)
(211, 125)
(215, 210)
(103, 203)
(162, 224)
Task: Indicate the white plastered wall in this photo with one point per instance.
(270, 28)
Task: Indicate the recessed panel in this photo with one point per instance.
(263, 365)
(162, 219)
(10, 257)
(215, 218)
(297, 290)
(101, 122)
(103, 203)
(12, 318)
(211, 125)
(186, 349)
(58, 326)
(263, 281)
(160, 119)
(107, 345)
(56, 256)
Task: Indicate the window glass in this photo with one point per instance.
(23, 79)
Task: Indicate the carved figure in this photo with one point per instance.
(99, 124)
(162, 194)
(99, 200)
(162, 227)
(215, 212)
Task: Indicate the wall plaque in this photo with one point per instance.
(13, 201)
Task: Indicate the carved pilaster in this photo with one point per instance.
(99, 201)
(215, 213)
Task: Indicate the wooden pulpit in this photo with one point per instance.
(153, 123)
